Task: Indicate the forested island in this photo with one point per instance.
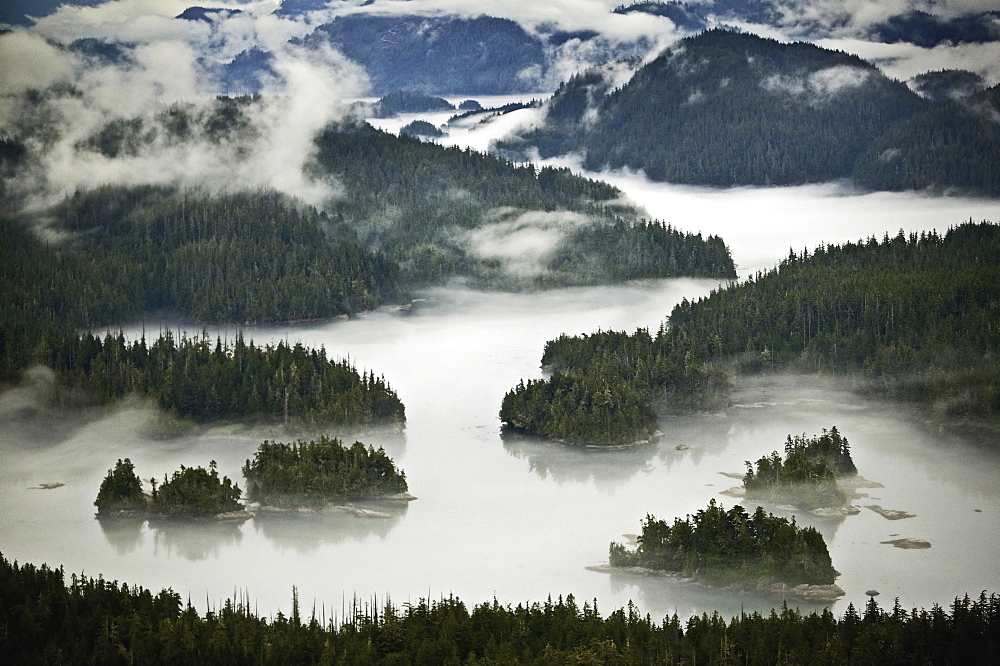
(196, 379)
(807, 477)
(83, 619)
(719, 547)
(191, 492)
(320, 471)
(909, 317)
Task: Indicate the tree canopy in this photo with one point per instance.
(723, 547)
(319, 471)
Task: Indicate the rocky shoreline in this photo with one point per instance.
(802, 592)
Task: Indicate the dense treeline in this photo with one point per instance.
(319, 471)
(193, 492)
(48, 618)
(121, 490)
(918, 316)
(807, 476)
(118, 253)
(247, 257)
(914, 317)
(606, 388)
(202, 381)
(726, 547)
(726, 108)
(418, 203)
(954, 144)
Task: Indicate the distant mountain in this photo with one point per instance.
(928, 31)
(726, 108)
(484, 55)
(403, 101)
(683, 15)
(952, 145)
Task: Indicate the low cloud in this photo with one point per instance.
(523, 245)
(77, 100)
(904, 61)
(820, 87)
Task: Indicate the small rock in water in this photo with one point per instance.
(908, 543)
(890, 514)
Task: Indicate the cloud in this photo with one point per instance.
(904, 61)
(523, 245)
(29, 62)
(821, 86)
(165, 78)
(851, 17)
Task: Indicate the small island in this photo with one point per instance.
(807, 477)
(310, 474)
(191, 492)
(760, 552)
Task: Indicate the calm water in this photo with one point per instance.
(519, 520)
(516, 520)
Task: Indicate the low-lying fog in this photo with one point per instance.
(519, 520)
(516, 520)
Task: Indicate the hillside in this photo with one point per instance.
(725, 108)
(952, 145)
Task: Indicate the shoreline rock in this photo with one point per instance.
(890, 514)
(142, 514)
(803, 591)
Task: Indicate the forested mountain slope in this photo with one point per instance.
(955, 143)
(913, 318)
(725, 108)
(444, 212)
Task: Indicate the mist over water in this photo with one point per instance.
(511, 518)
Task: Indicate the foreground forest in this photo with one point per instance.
(910, 318)
(49, 619)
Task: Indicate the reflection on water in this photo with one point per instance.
(124, 534)
(304, 533)
(194, 540)
(686, 597)
(608, 469)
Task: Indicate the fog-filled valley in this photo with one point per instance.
(453, 238)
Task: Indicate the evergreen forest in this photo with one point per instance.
(424, 206)
(807, 477)
(320, 471)
(50, 617)
(726, 108)
(912, 318)
(191, 492)
(723, 547)
(238, 381)
(120, 491)
(194, 492)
